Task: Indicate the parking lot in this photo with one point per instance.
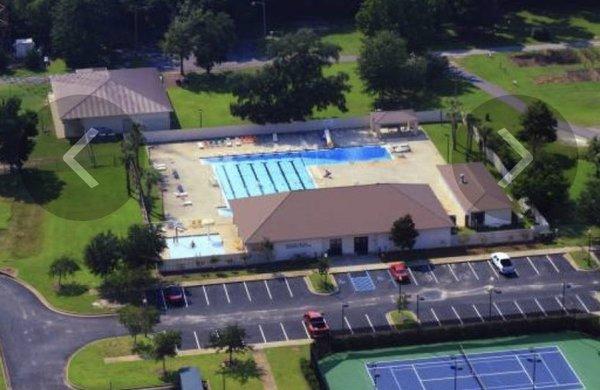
(449, 294)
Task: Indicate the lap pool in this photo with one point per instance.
(261, 174)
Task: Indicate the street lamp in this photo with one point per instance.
(264, 12)
(200, 112)
(344, 306)
(491, 291)
(565, 286)
(589, 234)
(448, 148)
(419, 298)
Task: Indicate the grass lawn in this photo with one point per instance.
(346, 370)
(321, 283)
(88, 370)
(403, 319)
(34, 237)
(577, 102)
(57, 66)
(2, 380)
(583, 259)
(290, 367)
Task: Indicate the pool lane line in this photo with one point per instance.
(260, 185)
(239, 170)
(228, 180)
(297, 174)
(287, 183)
(272, 179)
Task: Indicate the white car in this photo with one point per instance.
(502, 261)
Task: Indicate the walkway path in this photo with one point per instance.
(37, 342)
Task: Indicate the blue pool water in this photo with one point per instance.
(261, 174)
(204, 245)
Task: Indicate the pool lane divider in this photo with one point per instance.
(297, 174)
(283, 174)
(228, 180)
(239, 171)
(264, 163)
(260, 186)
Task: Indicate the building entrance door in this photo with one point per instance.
(361, 245)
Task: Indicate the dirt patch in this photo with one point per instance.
(571, 76)
(546, 58)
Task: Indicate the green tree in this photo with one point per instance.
(230, 339)
(539, 125)
(404, 233)
(127, 285)
(267, 247)
(143, 246)
(165, 345)
(472, 15)
(17, 131)
(593, 153)
(293, 86)
(103, 253)
(544, 184)
(86, 32)
(63, 267)
(323, 266)
(177, 40)
(414, 20)
(34, 60)
(213, 35)
(138, 320)
(589, 202)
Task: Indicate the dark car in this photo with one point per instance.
(174, 295)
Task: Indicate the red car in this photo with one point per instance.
(174, 295)
(399, 271)
(315, 324)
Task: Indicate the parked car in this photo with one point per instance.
(503, 263)
(399, 271)
(174, 295)
(315, 324)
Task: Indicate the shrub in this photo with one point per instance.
(541, 34)
(4, 61)
(34, 60)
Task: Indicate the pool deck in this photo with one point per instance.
(199, 181)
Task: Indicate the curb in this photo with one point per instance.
(4, 368)
(311, 288)
(48, 305)
(371, 267)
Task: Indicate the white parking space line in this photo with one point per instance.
(226, 293)
(499, 311)
(533, 266)
(540, 306)
(288, 287)
(348, 324)
(284, 332)
(268, 290)
(196, 338)
(553, 265)
(561, 305)
(436, 317)
(478, 313)
(582, 304)
(452, 272)
(162, 293)
(473, 270)
(520, 310)
(370, 323)
(391, 277)
(493, 269)
(305, 330)
(412, 277)
(433, 274)
(247, 292)
(456, 314)
(206, 296)
(184, 297)
(262, 334)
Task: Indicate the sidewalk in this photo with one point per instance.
(372, 266)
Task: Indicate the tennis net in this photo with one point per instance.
(471, 368)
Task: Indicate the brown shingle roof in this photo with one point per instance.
(99, 93)
(393, 117)
(335, 212)
(479, 191)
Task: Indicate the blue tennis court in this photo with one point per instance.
(511, 370)
(242, 176)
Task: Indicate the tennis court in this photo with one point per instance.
(518, 369)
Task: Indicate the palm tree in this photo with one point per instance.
(63, 267)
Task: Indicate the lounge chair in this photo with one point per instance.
(187, 203)
(228, 142)
(200, 145)
(237, 141)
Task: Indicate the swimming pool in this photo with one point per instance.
(242, 176)
(195, 246)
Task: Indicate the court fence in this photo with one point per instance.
(343, 342)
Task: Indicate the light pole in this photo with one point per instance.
(565, 286)
(589, 233)
(491, 291)
(200, 112)
(447, 148)
(264, 14)
(344, 306)
(419, 298)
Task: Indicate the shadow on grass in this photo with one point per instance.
(72, 289)
(31, 186)
(242, 370)
(224, 82)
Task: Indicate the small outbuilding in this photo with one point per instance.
(23, 46)
(190, 378)
(482, 200)
(394, 122)
(108, 99)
